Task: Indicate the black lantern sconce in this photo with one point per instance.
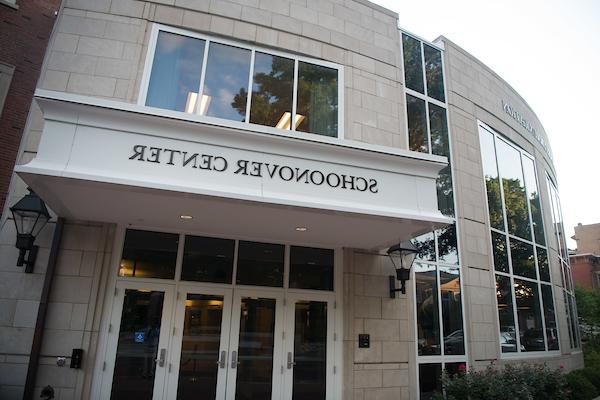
(30, 215)
(404, 254)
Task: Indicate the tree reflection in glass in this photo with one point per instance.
(523, 261)
(417, 124)
(426, 246)
(515, 199)
(490, 172)
(434, 73)
(508, 339)
(542, 257)
(454, 342)
(529, 314)
(272, 89)
(500, 252)
(317, 102)
(534, 200)
(428, 326)
(447, 247)
(226, 82)
(413, 63)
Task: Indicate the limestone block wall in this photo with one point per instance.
(387, 369)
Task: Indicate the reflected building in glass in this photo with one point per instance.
(225, 182)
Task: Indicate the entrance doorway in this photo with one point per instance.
(205, 341)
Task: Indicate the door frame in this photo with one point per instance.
(114, 328)
(111, 279)
(289, 335)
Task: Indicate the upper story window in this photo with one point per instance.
(565, 266)
(6, 75)
(524, 292)
(426, 110)
(233, 82)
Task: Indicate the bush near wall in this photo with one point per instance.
(524, 381)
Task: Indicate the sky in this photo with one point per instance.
(549, 52)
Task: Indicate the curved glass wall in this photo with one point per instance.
(526, 312)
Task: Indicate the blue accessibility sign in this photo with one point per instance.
(139, 337)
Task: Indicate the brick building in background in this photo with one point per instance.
(585, 262)
(25, 28)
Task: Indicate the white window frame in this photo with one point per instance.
(510, 275)
(156, 28)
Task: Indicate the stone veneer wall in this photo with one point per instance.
(476, 93)
(386, 370)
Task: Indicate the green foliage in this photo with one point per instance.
(592, 375)
(526, 382)
(580, 387)
(588, 305)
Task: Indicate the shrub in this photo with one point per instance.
(580, 387)
(527, 382)
(592, 375)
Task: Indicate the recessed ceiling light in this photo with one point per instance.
(186, 217)
(301, 228)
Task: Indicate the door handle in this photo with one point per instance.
(160, 361)
(234, 361)
(290, 361)
(223, 360)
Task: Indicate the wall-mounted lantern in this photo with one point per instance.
(402, 255)
(30, 215)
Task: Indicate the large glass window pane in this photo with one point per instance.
(272, 89)
(454, 340)
(492, 183)
(523, 261)
(255, 351)
(176, 68)
(311, 268)
(413, 63)
(317, 102)
(445, 192)
(529, 314)
(260, 264)
(207, 259)
(310, 351)
(542, 258)
(417, 124)
(439, 131)
(430, 381)
(567, 299)
(447, 247)
(137, 346)
(428, 325)
(550, 317)
(200, 347)
(534, 200)
(149, 254)
(226, 82)
(500, 252)
(508, 338)
(425, 244)
(434, 73)
(573, 321)
(515, 199)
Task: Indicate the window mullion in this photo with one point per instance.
(515, 314)
(250, 79)
(202, 76)
(295, 96)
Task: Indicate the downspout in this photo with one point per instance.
(38, 333)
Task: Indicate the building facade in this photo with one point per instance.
(225, 178)
(585, 261)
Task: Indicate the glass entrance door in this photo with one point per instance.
(138, 331)
(255, 346)
(308, 352)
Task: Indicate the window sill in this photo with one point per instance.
(9, 4)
